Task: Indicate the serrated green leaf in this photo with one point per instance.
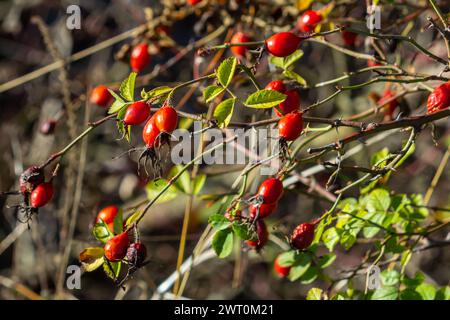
(291, 59)
(295, 76)
(226, 70)
(92, 258)
(222, 243)
(330, 238)
(157, 94)
(287, 259)
(410, 294)
(300, 266)
(183, 183)
(443, 293)
(211, 92)
(101, 231)
(198, 183)
(326, 260)
(224, 112)
(379, 201)
(370, 231)
(127, 87)
(116, 106)
(314, 294)
(264, 99)
(426, 291)
(390, 277)
(309, 276)
(219, 222)
(385, 293)
(153, 188)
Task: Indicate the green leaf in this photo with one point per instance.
(372, 230)
(112, 269)
(277, 61)
(226, 70)
(198, 183)
(183, 183)
(211, 92)
(300, 266)
(443, 293)
(426, 291)
(133, 218)
(153, 188)
(264, 99)
(117, 106)
(385, 293)
(326, 260)
(314, 294)
(219, 222)
(244, 231)
(413, 282)
(406, 256)
(92, 258)
(379, 201)
(118, 222)
(158, 94)
(287, 259)
(127, 87)
(378, 158)
(348, 239)
(224, 112)
(295, 76)
(330, 238)
(291, 59)
(309, 276)
(101, 231)
(410, 294)
(222, 243)
(390, 277)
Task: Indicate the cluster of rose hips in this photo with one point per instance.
(36, 191)
(119, 248)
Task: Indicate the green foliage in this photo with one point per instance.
(224, 112)
(264, 99)
(211, 92)
(222, 243)
(226, 71)
(101, 231)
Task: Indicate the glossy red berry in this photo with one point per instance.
(150, 134)
(30, 179)
(372, 63)
(140, 57)
(349, 38)
(308, 21)
(302, 236)
(276, 85)
(282, 44)
(279, 269)
(136, 254)
(100, 96)
(291, 103)
(136, 113)
(265, 210)
(193, 2)
(239, 37)
(108, 214)
(116, 247)
(439, 99)
(41, 195)
(271, 190)
(290, 126)
(263, 235)
(166, 119)
(48, 127)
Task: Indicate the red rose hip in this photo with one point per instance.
(279, 269)
(292, 103)
(108, 214)
(282, 44)
(271, 190)
(439, 99)
(290, 126)
(263, 235)
(276, 85)
(100, 96)
(150, 134)
(136, 113)
(308, 21)
(140, 57)
(166, 119)
(265, 210)
(302, 236)
(41, 195)
(116, 247)
(239, 37)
